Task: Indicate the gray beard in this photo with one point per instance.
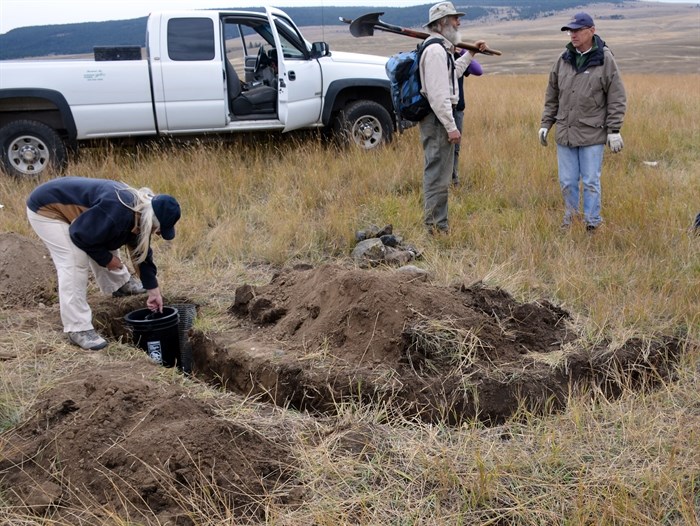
(452, 34)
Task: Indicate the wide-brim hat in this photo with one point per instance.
(441, 10)
(167, 211)
(578, 21)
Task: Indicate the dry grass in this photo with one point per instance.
(260, 202)
(442, 341)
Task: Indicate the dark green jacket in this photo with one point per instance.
(586, 102)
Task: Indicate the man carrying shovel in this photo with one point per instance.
(439, 74)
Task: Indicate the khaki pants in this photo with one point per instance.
(72, 266)
(437, 175)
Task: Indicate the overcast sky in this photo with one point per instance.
(24, 13)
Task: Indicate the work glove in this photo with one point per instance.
(615, 142)
(543, 136)
(474, 68)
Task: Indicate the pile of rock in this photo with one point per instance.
(377, 246)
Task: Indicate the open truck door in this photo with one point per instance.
(300, 84)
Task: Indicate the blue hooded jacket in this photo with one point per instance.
(99, 220)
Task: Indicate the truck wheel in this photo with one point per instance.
(30, 148)
(365, 123)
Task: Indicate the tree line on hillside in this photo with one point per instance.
(80, 38)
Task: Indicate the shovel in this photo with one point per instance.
(364, 26)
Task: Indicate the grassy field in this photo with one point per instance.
(265, 199)
(258, 203)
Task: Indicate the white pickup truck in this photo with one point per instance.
(202, 72)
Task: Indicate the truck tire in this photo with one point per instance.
(30, 148)
(364, 123)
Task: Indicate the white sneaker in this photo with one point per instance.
(130, 288)
(88, 340)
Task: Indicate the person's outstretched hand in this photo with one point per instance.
(481, 44)
(155, 300)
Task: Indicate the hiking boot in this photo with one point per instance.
(435, 230)
(590, 229)
(130, 288)
(88, 340)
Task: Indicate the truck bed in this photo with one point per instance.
(118, 92)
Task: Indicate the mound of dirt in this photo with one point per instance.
(134, 444)
(315, 337)
(386, 317)
(120, 436)
(27, 274)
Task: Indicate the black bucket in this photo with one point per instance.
(157, 333)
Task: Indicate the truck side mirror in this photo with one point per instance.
(319, 49)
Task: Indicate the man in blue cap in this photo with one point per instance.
(586, 99)
(84, 222)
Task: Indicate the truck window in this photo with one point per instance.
(191, 39)
(242, 40)
(249, 34)
(293, 44)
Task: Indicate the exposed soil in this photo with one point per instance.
(27, 274)
(314, 337)
(310, 339)
(132, 443)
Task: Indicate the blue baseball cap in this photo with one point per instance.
(578, 21)
(167, 211)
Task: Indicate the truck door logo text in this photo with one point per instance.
(94, 74)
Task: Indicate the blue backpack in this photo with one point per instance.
(404, 75)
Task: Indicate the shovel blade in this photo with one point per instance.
(363, 26)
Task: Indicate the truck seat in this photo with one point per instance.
(258, 100)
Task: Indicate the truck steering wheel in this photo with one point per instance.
(261, 60)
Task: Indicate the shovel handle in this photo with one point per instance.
(373, 22)
(471, 47)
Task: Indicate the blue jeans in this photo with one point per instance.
(437, 174)
(581, 165)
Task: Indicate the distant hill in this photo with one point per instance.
(75, 39)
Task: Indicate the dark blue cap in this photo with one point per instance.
(167, 211)
(578, 21)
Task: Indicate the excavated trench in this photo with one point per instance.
(310, 340)
(314, 338)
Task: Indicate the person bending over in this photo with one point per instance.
(84, 222)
